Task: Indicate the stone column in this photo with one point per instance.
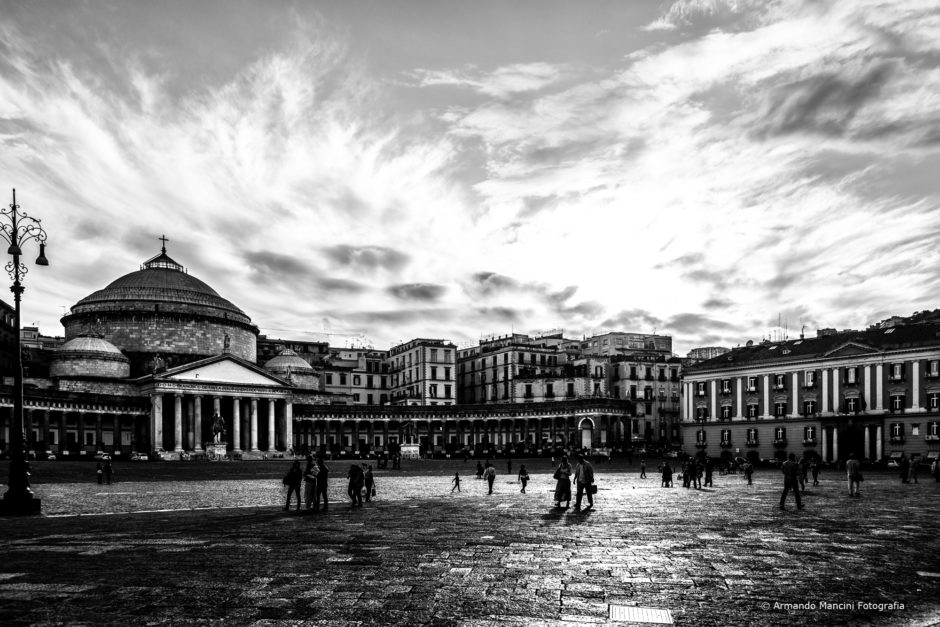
(836, 405)
(767, 413)
(253, 444)
(156, 421)
(98, 433)
(272, 442)
(866, 393)
(835, 443)
(45, 429)
(190, 436)
(355, 434)
(236, 425)
(216, 406)
(825, 440)
(713, 412)
(739, 382)
(197, 419)
(879, 388)
(795, 413)
(825, 392)
(81, 429)
(867, 439)
(178, 422)
(915, 386)
(289, 424)
(878, 440)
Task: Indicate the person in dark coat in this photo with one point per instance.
(905, 468)
(370, 483)
(108, 470)
(791, 481)
(479, 470)
(667, 474)
(709, 471)
(323, 475)
(563, 483)
(356, 482)
(293, 480)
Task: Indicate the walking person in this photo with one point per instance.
(293, 480)
(853, 470)
(310, 482)
(99, 470)
(642, 468)
(490, 473)
(523, 477)
(749, 472)
(356, 480)
(709, 472)
(814, 468)
(791, 481)
(804, 466)
(584, 476)
(456, 482)
(905, 468)
(480, 469)
(108, 470)
(563, 483)
(911, 476)
(370, 483)
(323, 474)
(666, 469)
(509, 465)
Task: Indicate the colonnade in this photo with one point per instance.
(74, 430)
(252, 423)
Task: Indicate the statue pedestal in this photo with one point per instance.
(217, 451)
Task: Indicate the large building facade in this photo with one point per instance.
(875, 394)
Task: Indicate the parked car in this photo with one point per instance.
(102, 456)
(893, 463)
(139, 457)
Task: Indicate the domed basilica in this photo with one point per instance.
(157, 361)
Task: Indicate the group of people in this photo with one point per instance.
(104, 470)
(584, 480)
(315, 478)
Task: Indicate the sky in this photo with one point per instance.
(369, 172)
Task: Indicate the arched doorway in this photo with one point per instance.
(586, 427)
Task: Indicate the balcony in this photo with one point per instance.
(897, 439)
(809, 386)
(752, 443)
(701, 444)
(725, 444)
(932, 438)
(726, 391)
(779, 386)
(780, 441)
(809, 441)
(751, 388)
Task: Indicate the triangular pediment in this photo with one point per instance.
(852, 348)
(223, 370)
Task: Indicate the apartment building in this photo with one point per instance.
(874, 393)
(360, 374)
(423, 372)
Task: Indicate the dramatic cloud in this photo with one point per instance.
(698, 166)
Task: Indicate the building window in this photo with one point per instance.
(897, 432)
(447, 374)
(933, 368)
(780, 410)
(780, 381)
(809, 435)
(329, 379)
(933, 401)
(851, 405)
(897, 372)
(809, 408)
(752, 437)
(851, 376)
(726, 437)
(726, 386)
(752, 384)
(342, 379)
(433, 354)
(726, 412)
(355, 398)
(570, 392)
(933, 430)
(897, 403)
(700, 436)
(549, 390)
(647, 393)
(633, 373)
(433, 372)
(701, 413)
(780, 435)
(752, 410)
(915, 429)
(432, 390)
(810, 378)
(357, 380)
(528, 390)
(700, 388)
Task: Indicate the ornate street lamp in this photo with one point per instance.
(17, 228)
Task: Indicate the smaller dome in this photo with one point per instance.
(87, 356)
(288, 359)
(87, 344)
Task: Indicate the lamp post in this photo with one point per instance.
(17, 228)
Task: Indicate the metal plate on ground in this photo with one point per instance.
(633, 614)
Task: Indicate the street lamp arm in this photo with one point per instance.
(21, 227)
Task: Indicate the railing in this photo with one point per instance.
(897, 439)
(752, 443)
(726, 444)
(701, 444)
(809, 441)
(780, 441)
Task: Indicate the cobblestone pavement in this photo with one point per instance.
(419, 555)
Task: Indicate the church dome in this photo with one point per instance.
(160, 280)
(287, 359)
(86, 356)
(162, 310)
